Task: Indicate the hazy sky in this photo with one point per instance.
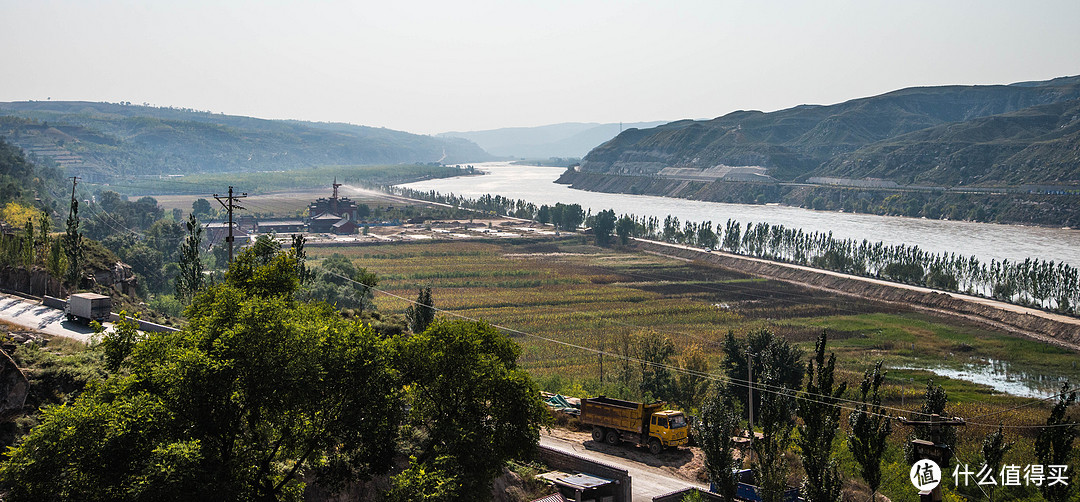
(435, 66)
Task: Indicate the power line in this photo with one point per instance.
(230, 206)
(818, 398)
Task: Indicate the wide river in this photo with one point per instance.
(986, 241)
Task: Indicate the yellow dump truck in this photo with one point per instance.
(614, 421)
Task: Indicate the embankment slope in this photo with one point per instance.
(1048, 327)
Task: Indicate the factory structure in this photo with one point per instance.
(334, 215)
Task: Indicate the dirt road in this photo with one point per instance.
(651, 475)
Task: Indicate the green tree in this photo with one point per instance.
(41, 243)
(820, 415)
(436, 481)
(119, 342)
(303, 271)
(56, 263)
(1053, 445)
(776, 418)
(201, 208)
(870, 427)
(255, 392)
(73, 248)
(28, 244)
(764, 350)
(934, 402)
(720, 421)
(690, 387)
(421, 314)
(994, 448)
(654, 351)
(189, 279)
(469, 399)
(543, 215)
(624, 228)
(339, 282)
(602, 226)
(567, 216)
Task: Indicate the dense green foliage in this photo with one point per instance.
(769, 356)
(256, 391)
(1054, 444)
(934, 402)
(475, 407)
(603, 224)
(129, 139)
(654, 352)
(720, 422)
(189, 278)
(261, 394)
(870, 427)
(819, 412)
(421, 313)
(341, 283)
(22, 180)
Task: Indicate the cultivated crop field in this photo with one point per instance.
(585, 296)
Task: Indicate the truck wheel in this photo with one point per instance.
(598, 434)
(613, 437)
(655, 446)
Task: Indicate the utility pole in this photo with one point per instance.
(933, 449)
(74, 181)
(230, 206)
(750, 400)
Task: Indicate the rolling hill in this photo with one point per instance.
(570, 139)
(950, 135)
(124, 139)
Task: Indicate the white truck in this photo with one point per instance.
(86, 307)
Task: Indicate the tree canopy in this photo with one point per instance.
(475, 406)
(255, 391)
(262, 393)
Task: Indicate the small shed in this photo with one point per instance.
(344, 227)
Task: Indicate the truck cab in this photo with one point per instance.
(615, 421)
(669, 426)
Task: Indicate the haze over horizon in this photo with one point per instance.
(429, 67)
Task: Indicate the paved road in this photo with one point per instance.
(646, 481)
(32, 314)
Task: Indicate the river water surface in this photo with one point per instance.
(985, 241)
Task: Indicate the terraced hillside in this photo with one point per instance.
(952, 135)
(107, 139)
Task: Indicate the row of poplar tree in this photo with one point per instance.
(1032, 282)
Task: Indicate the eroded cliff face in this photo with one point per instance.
(121, 278)
(37, 282)
(13, 387)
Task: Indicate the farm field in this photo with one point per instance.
(561, 296)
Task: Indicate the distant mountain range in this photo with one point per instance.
(1025, 133)
(124, 139)
(570, 139)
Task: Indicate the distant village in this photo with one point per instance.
(341, 219)
(336, 215)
